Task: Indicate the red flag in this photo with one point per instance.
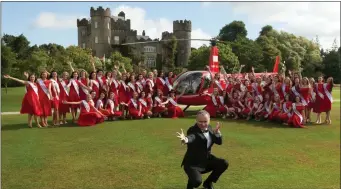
(276, 65)
(213, 62)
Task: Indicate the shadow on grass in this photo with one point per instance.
(24, 126)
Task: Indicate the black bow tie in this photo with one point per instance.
(205, 131)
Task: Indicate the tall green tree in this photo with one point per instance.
(232, 31)
(8, 59)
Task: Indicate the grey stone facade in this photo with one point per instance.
(102, 30)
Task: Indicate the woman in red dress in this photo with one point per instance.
(248, 105)
(160, 83)
(44, 92)
(174, 111)
(267, 106)
(100, 105)
(168, 83)
(55, 97)
(85, 80)
(94, 85)
(324, 99)
(132, 86)
(297, 110)
(276, 88)
(89, 115)
(149, 87)
(285, 114)
(74, 94)
(123, 93)
(312, 99)
(159, 108)
(30, 104)
(134, 107)
(305, 96)
(139, 84)
(286, 87)
(215, 103)
(112, 106)
(64, 96)
(276, 108)
(257, 108)
(147, 104)
(114, 84)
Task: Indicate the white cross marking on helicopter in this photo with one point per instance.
(215, 58)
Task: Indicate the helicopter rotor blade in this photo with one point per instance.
(166, 40)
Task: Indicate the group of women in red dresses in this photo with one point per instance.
(288, 100)
(99, 96)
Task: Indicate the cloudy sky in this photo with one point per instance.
(55, 22)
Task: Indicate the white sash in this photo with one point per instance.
(115, 83)
(134, 103)
(34, 87)
(143, 81)
(330, 97)
(162, 81)
(96, 83)
(299, 95)
(218, 84)
(267, 108)
(151, 82)
(221, 100)
(273, 88)
(86, 105)
(144, 103)
(75, 85)
(283, 89)
(275, 106)
(317, 90)
(83, 89)
(297, 112)
(65, 87)
(99, 104)
(172, 101)
(158, 99)
(132, 86)
(140, 86)
(43, 86)
(168, 84)
(214, 100)
(100, 81)
(124, 85)
(286, 109)
(112, 105)
(56, 86)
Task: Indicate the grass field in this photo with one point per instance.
(147, 154)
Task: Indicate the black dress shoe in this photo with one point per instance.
(208, 185)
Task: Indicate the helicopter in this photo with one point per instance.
(192, 84)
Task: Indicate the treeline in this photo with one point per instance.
(297, 52)
(18, 56)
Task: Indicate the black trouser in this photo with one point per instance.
(216, 165)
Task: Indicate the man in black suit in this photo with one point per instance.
(198, 158)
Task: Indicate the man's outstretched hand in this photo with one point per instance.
(182, 136)
(217, 128)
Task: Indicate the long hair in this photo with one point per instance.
(52, 73)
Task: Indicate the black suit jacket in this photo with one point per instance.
(197, 154)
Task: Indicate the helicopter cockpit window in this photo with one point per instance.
(207, 81)
(190, 82)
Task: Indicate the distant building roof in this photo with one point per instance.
(142, 37)
(117, 17)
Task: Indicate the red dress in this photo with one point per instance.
(159, 108)
(74, 92)
(305, 95)
(44, 99)
(257, 89)
(323, 104)
(132, 88)
(147, 104)
(160, 84)
(275, 111)
(114, 87)
(83, 92)
(88, 114)
(168, 85)
(297, 118)
(148, 88)
(139, 86)
(55, 94)
(95, 87)
(229, 88)
(30, 103)
(286, 89)
(214, 104)
(218, 84)
(134, 109)
(123, 92)
(266, 112)
(100, 107)
(247, 110)
(102, 81)
(64, 96)
(111, 108)
(285, 115)
(173, 109)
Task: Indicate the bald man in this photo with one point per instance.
(198, 158)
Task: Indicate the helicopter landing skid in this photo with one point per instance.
(186, 107)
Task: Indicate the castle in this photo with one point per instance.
(102, 32)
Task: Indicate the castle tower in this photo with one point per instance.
(182, 30)
(100, 31)
(82, 26)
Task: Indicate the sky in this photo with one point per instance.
(55, 22)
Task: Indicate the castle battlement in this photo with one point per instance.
(82, 22)
(182, 25)
(132, 33)
(166, 35)
(100, 12)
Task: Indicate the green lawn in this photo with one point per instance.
(146, 154)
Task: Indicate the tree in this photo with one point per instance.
(169, 49)
(117, 58)
(331, 64)
(79, 57)
(265, 30)
(19, 45)
(231, 31)
(8, 59)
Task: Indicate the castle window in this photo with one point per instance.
(109, 39)
(116, 40)
(108, 25)
(95, 24)
(151, 62)
(96, 39)
(83, 45)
